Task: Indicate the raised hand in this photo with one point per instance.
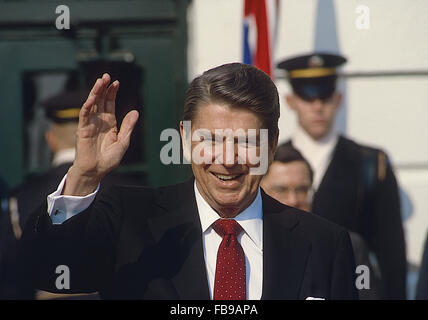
(99, 147)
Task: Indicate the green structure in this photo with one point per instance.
(142, 43)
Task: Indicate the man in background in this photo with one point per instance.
(62, 111)
(289, 180)
(354, 185)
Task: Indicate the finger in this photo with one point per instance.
(86, 110)
(126, 128)
(101, 95)
(95, 89)
(95, 92)
(111, 97)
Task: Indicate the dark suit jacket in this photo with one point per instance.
(29, 196)
(145, 243)
(359, 192)
(363, 257)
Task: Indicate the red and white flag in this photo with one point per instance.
(260, 27)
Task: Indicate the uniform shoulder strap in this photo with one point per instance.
(374, 164)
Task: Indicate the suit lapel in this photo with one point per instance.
(337, 164)
(178, 216)
(340, 172)
(285, 252)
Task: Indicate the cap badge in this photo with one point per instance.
(315, 62)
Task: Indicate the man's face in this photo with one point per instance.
(224, 178)
(315, 117)
(289, 183)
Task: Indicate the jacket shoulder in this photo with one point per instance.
(360, 148)
(370, 157)
(132, 196)
(320, 228)
(309, 225)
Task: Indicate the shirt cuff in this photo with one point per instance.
(62, 208)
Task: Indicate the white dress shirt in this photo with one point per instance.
(61, 208)
(317, 152)
(251, 241)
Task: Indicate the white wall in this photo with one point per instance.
(388, 112)
(215, 34)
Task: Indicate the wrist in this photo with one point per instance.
(80, 184)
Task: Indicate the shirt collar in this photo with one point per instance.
(63, 156)
(302, 139)
(250, 219)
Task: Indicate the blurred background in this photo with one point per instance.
(155, 47)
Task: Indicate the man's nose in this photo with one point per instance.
(317, 105)
(292, 199)
(229, 154)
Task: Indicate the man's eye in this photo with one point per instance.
(252, 144)
(281, 189)
(302, 189)
(219, 140)
(247, 144)
(242, 143)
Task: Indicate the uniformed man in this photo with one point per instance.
(62, 111)
(354, 184)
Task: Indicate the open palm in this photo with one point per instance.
(100, 146)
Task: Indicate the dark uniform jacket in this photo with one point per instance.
(145, 243)
(359, 192)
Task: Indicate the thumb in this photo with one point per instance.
(126, 127)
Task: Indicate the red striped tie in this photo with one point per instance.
(230, 276)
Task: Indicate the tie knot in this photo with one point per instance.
(227, 227)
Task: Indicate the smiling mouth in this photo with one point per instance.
(223, 177)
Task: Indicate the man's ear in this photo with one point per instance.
(291, 101)
(274, 145)
(51, 140)
(186, 141)
(337, 100)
